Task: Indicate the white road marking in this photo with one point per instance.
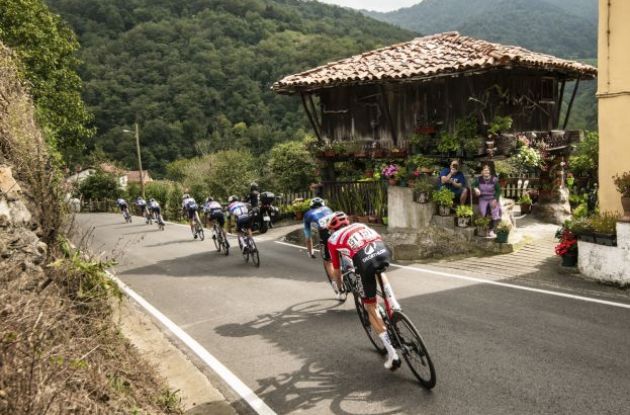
(230, 378)
(496, 283)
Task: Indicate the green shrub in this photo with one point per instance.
(443, 197)
(464, 211)
(605, 222)
(291, 166)
(100, 186)
(525, 199)
(482, 221)
(584, 161)
(622, 182)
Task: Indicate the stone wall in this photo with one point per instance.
(607, 263)
(403, 212)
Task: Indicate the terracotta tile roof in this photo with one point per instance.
(133, 176)
(425, 57)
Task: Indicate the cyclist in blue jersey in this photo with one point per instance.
(240, 212)
(318, 216)
(189, 206)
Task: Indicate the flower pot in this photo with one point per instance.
(526, 208)
(586, 237)
(569, 260)
(605, 239)
(372, 219)
(625, 202)
(444, 210)
(463, 222)
(411, 183)
(482, 231)
(391, 182)
(362, 219)
(330, 153)
(299, 215)
(422, 197)
(502, 237)
(378, 153)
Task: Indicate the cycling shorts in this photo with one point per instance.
(191, 211)
(372, 258)
(218, 216)
(155, 210)
(122, 207)
(243, 223)
(142, 208)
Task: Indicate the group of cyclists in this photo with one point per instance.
(359, 245)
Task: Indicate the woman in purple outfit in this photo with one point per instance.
(487, 188)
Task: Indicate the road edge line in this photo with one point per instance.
(497, 283)
(253, 400)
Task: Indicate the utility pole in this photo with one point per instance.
(140, 161)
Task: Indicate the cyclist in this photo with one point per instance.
(214, 212)
(142, 206)
(122, 204)
(155, 210)
(365, 247)
(239, 210)
(318, 215)
(254, 195)
(189, 206)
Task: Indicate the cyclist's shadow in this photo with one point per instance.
(327, 374)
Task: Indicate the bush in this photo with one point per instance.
(623, 183)
(100, 186)
(584, 161)
(291, 166)
(443, 197)
(464, 211)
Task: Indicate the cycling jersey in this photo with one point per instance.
(317, 216)
(189, 204)
(211, 206)
(238, 209)
(121, 202)
(154, 205)
(368, 253)
(350, 240)
(140, 202)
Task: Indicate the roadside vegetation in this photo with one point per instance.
(60, 350)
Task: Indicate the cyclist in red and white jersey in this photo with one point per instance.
(365, 247)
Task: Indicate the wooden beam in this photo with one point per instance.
(310, 118)
(566, 118)
(560, 97)
(315, 117)
(389, 115)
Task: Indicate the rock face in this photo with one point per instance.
(21, 251)
(556, 212)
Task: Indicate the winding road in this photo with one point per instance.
(499, 347)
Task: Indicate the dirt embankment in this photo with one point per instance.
(60, 351)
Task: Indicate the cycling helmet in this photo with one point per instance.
(185, 196)
(337, 221)
(210, 199)
(253, 186)
(317, 202)
(232, 199)
(152, 200)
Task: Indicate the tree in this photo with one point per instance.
(47, 50)
(291, 166)
(100, 186)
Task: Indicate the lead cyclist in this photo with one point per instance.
(365, 247)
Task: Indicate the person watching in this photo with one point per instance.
(487, 187)
(455, 181)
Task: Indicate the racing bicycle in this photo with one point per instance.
(198, 227)
(401, 330)
(249, 249)
(220, 239)
(126, 215)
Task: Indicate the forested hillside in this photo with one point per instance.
(566, 28)
(196, 73)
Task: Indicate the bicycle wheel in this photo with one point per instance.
(217, 239)
(254, 253)
(413, 349)
(245, 249)
(365, 322)
(199, 230)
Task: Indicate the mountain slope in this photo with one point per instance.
(197, 73)
(566, 28)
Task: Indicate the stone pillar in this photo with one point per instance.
(403, 212)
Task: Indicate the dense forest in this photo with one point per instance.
(565, 28)
(196, 74)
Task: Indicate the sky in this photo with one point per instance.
(377, 5)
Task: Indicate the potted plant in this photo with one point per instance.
(605, 228)
(464, 215)
(384, 219)
(397, 152)
(390, 172)
(582, 229)
(567, 249)
(503, 232)
(299, 206)
(422, 190)
(623, 186)
(526, 203)
(329, 151)
(443, 198)
(482, 223)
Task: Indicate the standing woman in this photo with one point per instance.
(487, 188)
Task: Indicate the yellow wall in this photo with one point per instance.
(613, 91)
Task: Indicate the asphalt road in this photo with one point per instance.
(497, 350)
